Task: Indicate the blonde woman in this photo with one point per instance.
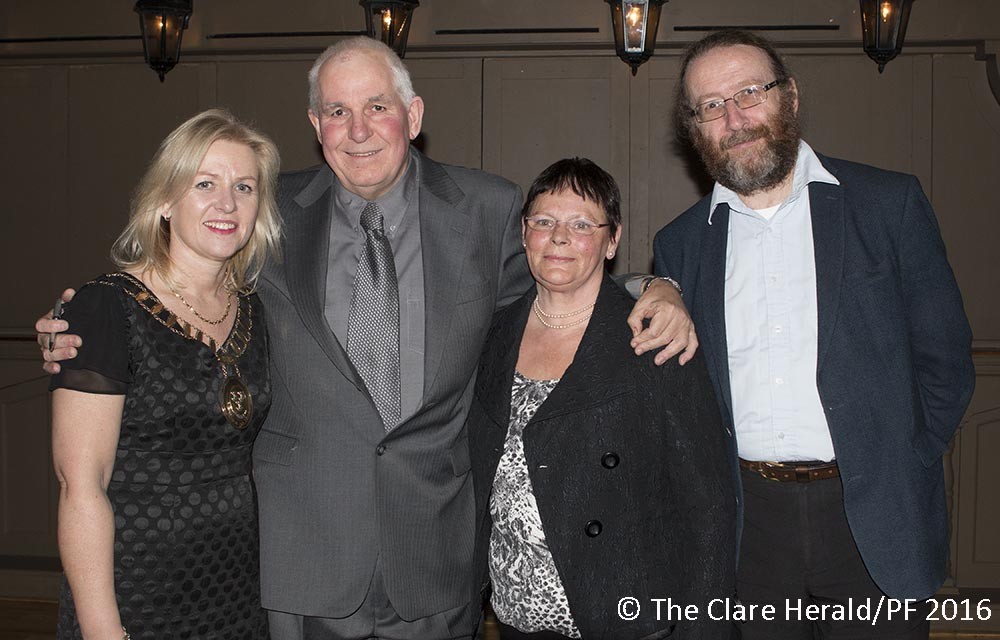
(154, 420)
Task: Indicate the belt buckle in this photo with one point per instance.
(770, 470)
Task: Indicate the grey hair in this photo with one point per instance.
(400, 75)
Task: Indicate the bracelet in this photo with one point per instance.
(125, 634)
(648, 280)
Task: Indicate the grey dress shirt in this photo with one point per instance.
(401, 210)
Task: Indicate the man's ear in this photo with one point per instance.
(794, 89)
(415, 116)
(314, 119)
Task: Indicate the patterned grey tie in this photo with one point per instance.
(373, 324)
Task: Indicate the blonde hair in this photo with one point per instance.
(145, 242)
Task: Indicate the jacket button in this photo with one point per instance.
(379, 450)
(593, 528)
(609, 460)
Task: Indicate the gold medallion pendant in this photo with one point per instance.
(237, 403)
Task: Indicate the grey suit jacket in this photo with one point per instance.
(894, 366)
(336, 493)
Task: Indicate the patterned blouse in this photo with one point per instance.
(527, 591)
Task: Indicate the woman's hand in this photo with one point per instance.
(670, 325)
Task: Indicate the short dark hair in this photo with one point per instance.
(724, 38)
(586, 180)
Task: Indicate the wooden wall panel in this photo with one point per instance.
(118, 114)
(28, 488)
(966, 138)
(931, 20)
(850, 111)
(665, 178)
(273, 94)
(536, 111)
(35, 243)
(978, 534)
(452, 90)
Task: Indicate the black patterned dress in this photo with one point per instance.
(185, 515)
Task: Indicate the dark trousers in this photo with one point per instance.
(377, 619)
(797, 548)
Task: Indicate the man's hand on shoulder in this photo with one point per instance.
(64, 346)
(670, 324)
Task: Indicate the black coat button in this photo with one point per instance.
(379, 450)
(609, 460)
(594, 528)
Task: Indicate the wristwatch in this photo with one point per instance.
(648, 280)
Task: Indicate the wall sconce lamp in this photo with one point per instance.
(883, 23)
(634, 23)
(389, 21)
(163, 23)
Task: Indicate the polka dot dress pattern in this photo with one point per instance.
(186, 540)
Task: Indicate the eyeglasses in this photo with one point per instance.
(744, 99)
(578, 227)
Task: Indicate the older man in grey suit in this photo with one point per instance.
(366, 510)
(394, 265)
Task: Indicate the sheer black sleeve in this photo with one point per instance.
(97, 314)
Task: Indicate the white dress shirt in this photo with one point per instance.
(771, 322)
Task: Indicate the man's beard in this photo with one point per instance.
(763, 170)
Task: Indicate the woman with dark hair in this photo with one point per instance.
(152, 424)
(598, 475)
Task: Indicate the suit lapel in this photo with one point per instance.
(711, 292)
(826, 202)
(597, 373)
(442, 229)
(599, 368)
(307, 233)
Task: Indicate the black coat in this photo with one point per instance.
(628, 462)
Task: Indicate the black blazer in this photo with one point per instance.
(629, 469)
(894, 364)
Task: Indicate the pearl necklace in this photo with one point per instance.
(541, 315)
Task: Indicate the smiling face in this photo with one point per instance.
(363, 125)
(215, 216)
(747, 150)
(560, 260)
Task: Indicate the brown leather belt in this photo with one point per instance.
(791, 471)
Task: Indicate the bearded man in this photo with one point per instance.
(838, 347)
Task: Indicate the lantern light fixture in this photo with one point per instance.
(163, 23)
(635, 23)
(389, 21)
(883, 25)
